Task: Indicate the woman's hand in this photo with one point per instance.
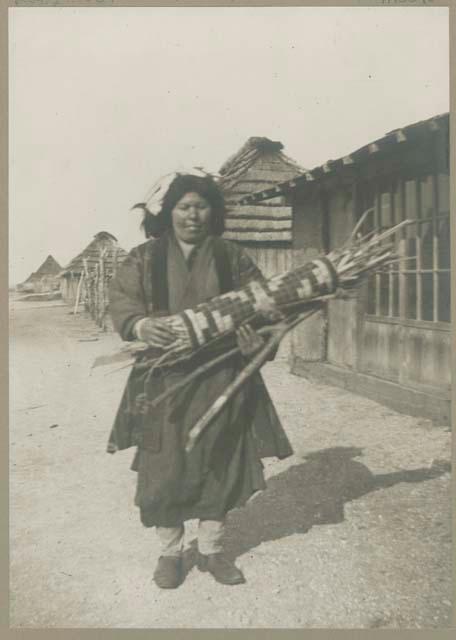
(249, 341)
(154, 332)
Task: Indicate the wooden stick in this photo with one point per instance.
(357, 226)
(101, 290)
(202, 369)
(96, 292)
(386, 234)
(88, 284)
(192, 376)
(114, 260)
(78, 293)
(212, 363)
(254, 365)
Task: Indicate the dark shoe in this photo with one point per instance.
(168, 573)
(222, 569)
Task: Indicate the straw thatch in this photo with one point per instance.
(86, 278)
(50, 267)
(259, 164)
(44, 279)
(103, 243)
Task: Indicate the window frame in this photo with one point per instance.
(403, 204)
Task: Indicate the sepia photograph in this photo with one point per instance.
(229, 317)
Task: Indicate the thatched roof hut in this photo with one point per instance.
(50, 267)
(104, 245)
(45, 278)
(259, 164)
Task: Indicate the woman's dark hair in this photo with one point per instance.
(154, 226)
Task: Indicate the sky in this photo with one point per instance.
(103, 101)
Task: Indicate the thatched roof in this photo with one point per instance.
(103, 242)
(50, 267)
(249, 154)
(249, 150)
(259, 164)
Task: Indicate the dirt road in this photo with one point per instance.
(352, 532)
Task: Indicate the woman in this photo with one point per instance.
(183, 263)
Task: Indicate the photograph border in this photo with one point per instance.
(190, 634)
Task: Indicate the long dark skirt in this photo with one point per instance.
(221, 472)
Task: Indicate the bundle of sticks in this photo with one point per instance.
(272, 306)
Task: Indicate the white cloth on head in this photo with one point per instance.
(156, 194)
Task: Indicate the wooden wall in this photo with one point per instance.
(410, 342)
(308, 340)
(410, 353)
(47, 283)
(68, 288)
(384, 350)
(342, 314)
(273, 260)
(268, 221)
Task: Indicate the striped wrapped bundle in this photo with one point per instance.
(224, 314)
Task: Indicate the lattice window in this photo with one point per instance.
(419, 288)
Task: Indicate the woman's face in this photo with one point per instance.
(191, 218)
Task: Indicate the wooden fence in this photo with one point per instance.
(93, 287)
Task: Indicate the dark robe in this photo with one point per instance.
(224, 468)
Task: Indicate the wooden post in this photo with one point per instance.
(101, 289)
(110, 274)
(391, 280)
(70, 286)
(114, 260)
(418, 253)
(78, 293)
(403, 303)
(87, 284)
(402, 253)
(435, 247)
(95, 293)
(361, 300)
(377, 225)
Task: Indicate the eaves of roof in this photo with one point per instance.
(387, 142)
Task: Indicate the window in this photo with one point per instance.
(417, 288)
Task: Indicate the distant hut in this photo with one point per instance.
(263, 228)
(45, 279)
(104, 245)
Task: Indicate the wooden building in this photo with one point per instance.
(263, 228)
(393, 341)
(87, 262)
(44, 280)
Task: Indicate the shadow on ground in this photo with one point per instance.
(308, 494)
(312, 493)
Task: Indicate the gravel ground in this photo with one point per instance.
(353, 530)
